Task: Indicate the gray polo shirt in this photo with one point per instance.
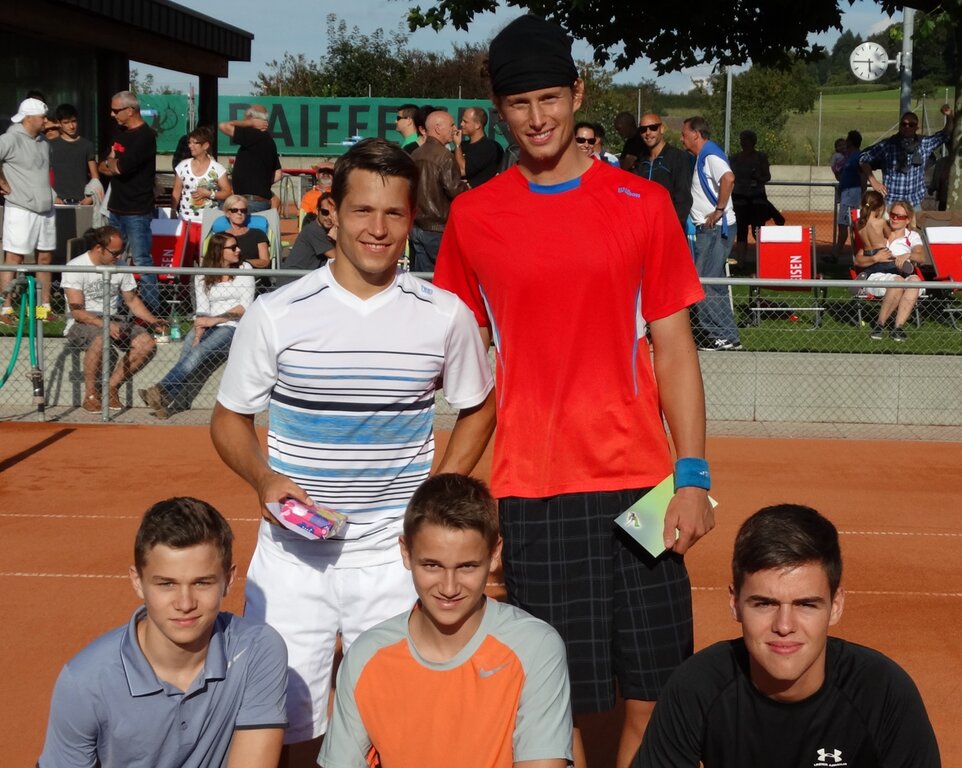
(109, 706)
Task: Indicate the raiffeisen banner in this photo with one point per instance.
(301, 125)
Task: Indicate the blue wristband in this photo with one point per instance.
(692, 473)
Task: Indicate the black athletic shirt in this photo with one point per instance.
(867, 714)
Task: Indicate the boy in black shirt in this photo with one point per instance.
(786, 694)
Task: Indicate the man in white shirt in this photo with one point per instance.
(84, 295)
(347, 359)
(714, 220)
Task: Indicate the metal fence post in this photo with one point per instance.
(105, 352)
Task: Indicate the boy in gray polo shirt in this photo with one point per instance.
(182, 684)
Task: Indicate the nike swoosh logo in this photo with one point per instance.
(488, 672)
(236, 657)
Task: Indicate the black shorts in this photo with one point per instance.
(623, 614)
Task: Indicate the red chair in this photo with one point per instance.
(786, 253)
(944, 245)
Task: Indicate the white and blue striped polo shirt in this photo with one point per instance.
(350, 387)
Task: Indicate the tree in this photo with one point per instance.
(673, 36)
(762, 99)
(145, 86)
(676, 35)
(291, 76)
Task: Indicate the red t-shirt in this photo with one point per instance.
(566, 277)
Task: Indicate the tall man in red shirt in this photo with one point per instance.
(566, 263)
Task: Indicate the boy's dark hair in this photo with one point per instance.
(65, 112)
(785, 536)
(600, 131)
(408, 110)
(700, 125)
(854, 138)
(202, 134)
(453, 501)
(183, 522)
(585, 124)
(380, 156)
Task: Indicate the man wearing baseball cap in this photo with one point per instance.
(28, 217)
(567, 264)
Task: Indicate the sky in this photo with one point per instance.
(303, 26)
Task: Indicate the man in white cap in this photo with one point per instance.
(28, 218)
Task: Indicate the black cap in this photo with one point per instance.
(530, 54)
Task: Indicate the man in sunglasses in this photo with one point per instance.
(664, 164)
(84, 295)
(902, 158)
(404, 124)
(131, 166)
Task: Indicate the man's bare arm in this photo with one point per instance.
(470, 437)
(236, 441)
(255, 747)
(683, 402)
(628, 162)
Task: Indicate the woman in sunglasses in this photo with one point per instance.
(220, 301)
(315, 242)
(252, 241)
(895, 263)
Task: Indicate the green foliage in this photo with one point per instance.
(145, 85)
(762, 100)
(380, 64)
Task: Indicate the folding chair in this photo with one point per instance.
(944, 245)
(786, 253)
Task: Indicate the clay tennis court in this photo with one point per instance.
(71, 496)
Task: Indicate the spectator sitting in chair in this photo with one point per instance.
(253, 242)
(84, 296)
(894, 264)
(314, 244)
(220, 301)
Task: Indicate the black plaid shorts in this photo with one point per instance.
(623, 614)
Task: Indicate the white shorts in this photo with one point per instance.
(309, 600)
(25, 231)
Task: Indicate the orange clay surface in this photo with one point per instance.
(71, 497)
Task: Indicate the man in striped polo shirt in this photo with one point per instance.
(347, 360)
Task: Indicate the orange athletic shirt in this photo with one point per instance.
(504, 698)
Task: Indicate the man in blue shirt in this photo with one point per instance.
(182, 684)
(902, 159)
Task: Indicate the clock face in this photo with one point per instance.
(869, 61)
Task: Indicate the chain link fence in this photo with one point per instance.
(808, 354)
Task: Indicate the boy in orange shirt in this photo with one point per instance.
(459, 674)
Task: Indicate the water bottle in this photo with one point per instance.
(174, 322)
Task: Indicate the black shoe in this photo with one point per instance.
(898, 333)
(878, 332)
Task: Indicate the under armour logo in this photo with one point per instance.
(824, 756)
